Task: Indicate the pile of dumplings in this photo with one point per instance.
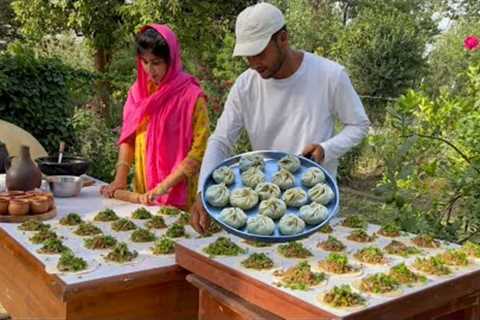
(270, 199)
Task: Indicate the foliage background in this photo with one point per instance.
(66, 66)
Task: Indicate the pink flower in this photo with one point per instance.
(471, 43)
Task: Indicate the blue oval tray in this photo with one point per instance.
(271, 167)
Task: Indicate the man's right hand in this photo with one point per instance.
(200, 218)
(108, 190)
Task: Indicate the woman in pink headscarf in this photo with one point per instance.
(165, 124)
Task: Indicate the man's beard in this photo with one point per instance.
(277, 65)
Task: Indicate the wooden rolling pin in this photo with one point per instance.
(125, 195)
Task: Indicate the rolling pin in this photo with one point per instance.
(125, 195)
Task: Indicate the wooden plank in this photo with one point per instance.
(217, 303)
(434, 301)
(431, 301)
(465, 308)
(251, 290)
(128, 281)
(175, 300)
(27, 292)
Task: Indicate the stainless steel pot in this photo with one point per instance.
(65, 186)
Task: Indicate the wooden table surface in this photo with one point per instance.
(459, 295)
(27, 291)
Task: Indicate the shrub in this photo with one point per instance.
(96, 142)
(35, 94)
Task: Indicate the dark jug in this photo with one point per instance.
(3, 157)
(22, 173)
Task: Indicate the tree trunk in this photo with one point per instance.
(103, 58)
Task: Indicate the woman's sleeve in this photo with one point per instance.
(201, 131)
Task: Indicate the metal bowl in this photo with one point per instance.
(65, 186)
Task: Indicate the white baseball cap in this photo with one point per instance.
(254, 28)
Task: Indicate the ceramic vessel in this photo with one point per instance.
(3, 157)
(23, 174)
(39, 204)
(4, 206)
(18, 207)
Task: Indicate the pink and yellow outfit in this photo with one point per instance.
(168, 124)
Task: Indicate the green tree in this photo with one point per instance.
(37, 95)
(8, 25)
(314, 26)
(383, 51)
(199, 25)
(464, 9)
(432, 160)
(448, 60)
(98, 21)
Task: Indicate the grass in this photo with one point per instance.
(354, 203)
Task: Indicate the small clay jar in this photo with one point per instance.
(51, 201)
(18, 207)
(4, 206)
(16, 193)
(39, 204)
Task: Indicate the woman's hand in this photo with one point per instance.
(108, 190)
(200, 219)
(149, 197)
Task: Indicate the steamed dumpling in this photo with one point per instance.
(312, 177)
(273, 208)
(313, 213)
(224, 175)
(291, 224)
(321, 193)
(251, 160)
(289, 162)
(262, 225)
(268, 190)
(284, 179)
(234, 217)
(295, 197)
(252, 177)
(217, 195)
(244, 198)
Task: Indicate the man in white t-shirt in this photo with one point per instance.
(287, 100)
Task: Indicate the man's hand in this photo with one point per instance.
(200, 219)
(315, 152)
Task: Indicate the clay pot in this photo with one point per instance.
(23, 174)
(13, 194)
(4, 206)
(22, 196)
(3, 157)
(51, 201)
(70, 166)
(18, 207)
(39, 204)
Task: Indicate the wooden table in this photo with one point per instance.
(227, 293)
(28, 292)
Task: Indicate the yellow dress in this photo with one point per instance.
(190, 166)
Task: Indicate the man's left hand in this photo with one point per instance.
(314, 152)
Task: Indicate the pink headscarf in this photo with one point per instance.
(170, 111)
